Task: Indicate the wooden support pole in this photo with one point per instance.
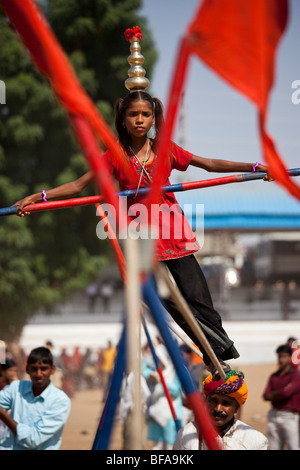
(189, 317)
(133, 339)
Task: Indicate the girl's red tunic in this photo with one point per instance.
(175, 238)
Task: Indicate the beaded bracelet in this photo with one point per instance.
(255, 166)
(44, 196)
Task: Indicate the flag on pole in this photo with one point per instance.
(238, 39)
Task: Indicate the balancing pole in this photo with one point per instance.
(178, 187)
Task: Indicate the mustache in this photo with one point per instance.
(220, 414)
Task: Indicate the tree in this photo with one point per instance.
(47, 256)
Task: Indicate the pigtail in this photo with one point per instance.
(159, 120)
(119, 112)
(159, 123)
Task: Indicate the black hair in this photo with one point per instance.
(8, 364)
(40, 354)
(186, 349)
(284, 348)
(120, 108)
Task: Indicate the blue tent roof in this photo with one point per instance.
(249, 206)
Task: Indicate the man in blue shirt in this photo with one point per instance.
(38, 410)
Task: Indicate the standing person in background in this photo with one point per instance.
(8, 373)
(68, 385)
(160, 422)
(76, 362)
(57, 377)
(107, 366)
(198, 372)
(195, 365)
(38, 410)
(283, 391)
(106, 292)
(127, 405)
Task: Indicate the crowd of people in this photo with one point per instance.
(75, 368)
(82, 368)
(52, 380)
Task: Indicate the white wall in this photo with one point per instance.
(255, 341)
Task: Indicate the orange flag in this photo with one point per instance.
(238, 39)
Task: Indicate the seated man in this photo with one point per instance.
(38, 410)
(223, 400)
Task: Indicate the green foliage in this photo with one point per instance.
(47, 256)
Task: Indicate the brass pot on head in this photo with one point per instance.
(136, 73)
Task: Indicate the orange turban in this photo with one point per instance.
(234, 386)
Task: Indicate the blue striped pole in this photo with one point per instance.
(160, 372)
(195, 400)
(8, 210)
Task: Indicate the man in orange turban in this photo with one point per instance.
(234, 386)
(223, 399)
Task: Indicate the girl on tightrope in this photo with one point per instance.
(135, 116)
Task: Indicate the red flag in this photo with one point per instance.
(238, 39)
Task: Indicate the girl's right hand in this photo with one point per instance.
(23, 203)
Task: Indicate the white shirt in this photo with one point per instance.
(240, 436)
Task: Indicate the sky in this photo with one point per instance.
(218, 121)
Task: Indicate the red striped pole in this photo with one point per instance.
(203, 419)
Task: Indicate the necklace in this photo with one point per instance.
(147, 157)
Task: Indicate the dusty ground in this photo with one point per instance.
(87, 406)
